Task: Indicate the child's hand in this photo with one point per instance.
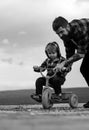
(36, 68)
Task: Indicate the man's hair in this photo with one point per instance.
(59, 22)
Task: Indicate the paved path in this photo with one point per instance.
(60, 117)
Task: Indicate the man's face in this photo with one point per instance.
(63, 32)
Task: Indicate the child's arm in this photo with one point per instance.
(40, 68)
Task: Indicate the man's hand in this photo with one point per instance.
(60, 67)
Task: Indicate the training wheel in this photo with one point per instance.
(73, 101)
(46, 98)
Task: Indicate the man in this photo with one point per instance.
(75, 36)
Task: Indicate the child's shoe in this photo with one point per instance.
(36, 96)
(86, 105)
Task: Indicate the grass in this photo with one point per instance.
(22, 97)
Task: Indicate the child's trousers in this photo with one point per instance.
(54, 82)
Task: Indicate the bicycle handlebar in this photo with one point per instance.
(55, 70)
(48, 75)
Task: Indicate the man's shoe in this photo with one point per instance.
(86, 105)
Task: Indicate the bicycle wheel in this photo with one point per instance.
(73, 101)
(46, 98)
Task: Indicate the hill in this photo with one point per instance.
(22, 97)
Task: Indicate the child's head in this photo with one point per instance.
(52, 50)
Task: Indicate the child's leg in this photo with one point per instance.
(56, 83)
(40, 82)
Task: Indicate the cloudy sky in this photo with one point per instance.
(25, 29)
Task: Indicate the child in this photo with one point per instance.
(54, 58)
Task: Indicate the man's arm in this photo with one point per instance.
(73, 52)
(74, 58)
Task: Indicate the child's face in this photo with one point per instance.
(52, 55)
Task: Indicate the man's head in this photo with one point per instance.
(61, 27)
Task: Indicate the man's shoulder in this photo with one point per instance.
(80, 22)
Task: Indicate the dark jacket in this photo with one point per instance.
(78, 38)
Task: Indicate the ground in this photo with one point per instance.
(34, 117)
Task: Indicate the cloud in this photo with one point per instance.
(19, 12)
(15, 45)
(82, 8)
(5, 41)
(8, 60)
(25, 27)
(22, 33)
(15, 77)
(21, 63)
(82, 0)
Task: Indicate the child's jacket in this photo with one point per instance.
(49, 64)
